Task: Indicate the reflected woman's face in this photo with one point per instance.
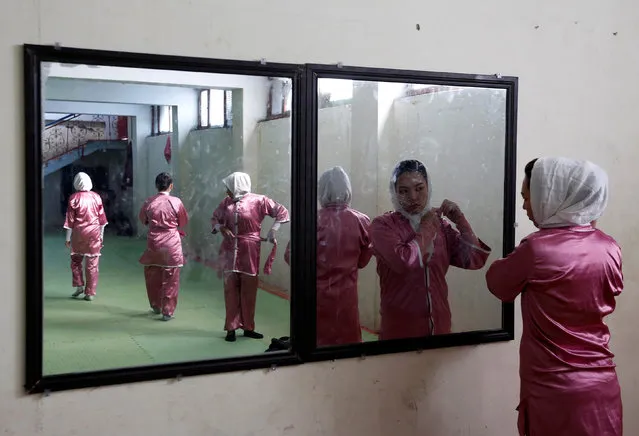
(229, 193)
(412, 192)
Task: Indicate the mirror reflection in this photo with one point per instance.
(410, 208)
(165, 197)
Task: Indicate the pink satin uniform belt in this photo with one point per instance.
(268, 265)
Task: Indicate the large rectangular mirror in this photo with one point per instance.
(188, 216)
(414, 199)
(164, 195)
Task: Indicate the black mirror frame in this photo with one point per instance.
(34, 56)
(508, 83)
(303, 214)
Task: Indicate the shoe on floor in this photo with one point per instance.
(230, 336)
(167, 317)
(253, 334)
(156, 310)
(79, 290)
(89, 297)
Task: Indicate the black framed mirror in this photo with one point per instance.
(154, 210)
(415, 196)
(179, 212)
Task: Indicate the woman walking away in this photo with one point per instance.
(85, 221)
(165, 215)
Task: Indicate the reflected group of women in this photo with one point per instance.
(414, 246)
(238, 218)
(568, 273)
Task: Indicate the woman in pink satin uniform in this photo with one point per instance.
(414, 247)
(568, 274)
(84, 222)
(239, 218)
(343, 247)
(165, 216)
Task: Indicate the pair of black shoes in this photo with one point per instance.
(230, 335)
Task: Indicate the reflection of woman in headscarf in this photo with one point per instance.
(343, 247)
(239, 218)
(568, 274)
(414, 248)
(85, 221)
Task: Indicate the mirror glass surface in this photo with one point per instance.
(403, 245)
(151, 253)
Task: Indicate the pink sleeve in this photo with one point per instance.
(275, 210)
(218, 217)
(287, 254)
(466, 250)
(70, 217)
(366, 250)
(183, 216)
(615, 273)
(401, 256)
(506, 278)
(142, 215)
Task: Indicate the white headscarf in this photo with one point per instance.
(403, 167)
(334, 187)
(82, 182)
(567, 192)
(239, 184)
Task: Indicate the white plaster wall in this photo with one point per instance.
(210, 155)
(576, 98)
(274, 180)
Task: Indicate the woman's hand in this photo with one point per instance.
(67, 244)
(428, 228)
(451, 211)
(271, 236)
(226, 232)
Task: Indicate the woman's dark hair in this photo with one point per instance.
(163, 181)
(528, 171)
(409, 166)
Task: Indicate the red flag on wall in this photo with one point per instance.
(123, 127)
(167, 149)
